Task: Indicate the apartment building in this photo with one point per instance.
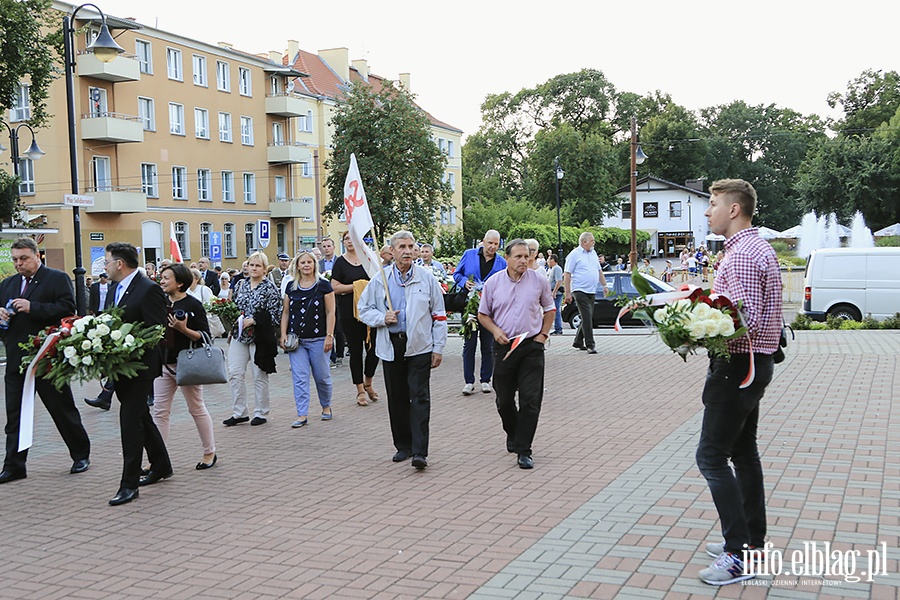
(206, 139)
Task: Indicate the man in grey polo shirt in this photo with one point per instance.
(581, 276)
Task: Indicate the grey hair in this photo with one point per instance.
(428, 246)
(584, 236)
(401, 235)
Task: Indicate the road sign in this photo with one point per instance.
(262, 232)
(77, 200)
(215, 238)
(96, 236)
(215, 246)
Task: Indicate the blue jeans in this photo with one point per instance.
(730, 419)
(487, 363)
(557, 322)
(310, 356)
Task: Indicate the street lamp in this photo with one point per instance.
(34, 151)
(105, 49)
(559, 175)
(637, 158)
(690, 240)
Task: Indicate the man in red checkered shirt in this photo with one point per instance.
(749, 275)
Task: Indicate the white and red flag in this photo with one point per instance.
(359, 219)
(174, 248)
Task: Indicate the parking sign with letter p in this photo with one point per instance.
(262, 232)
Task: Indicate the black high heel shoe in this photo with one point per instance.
(202, 465)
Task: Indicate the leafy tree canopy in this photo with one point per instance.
(401, 167)
(871, 100)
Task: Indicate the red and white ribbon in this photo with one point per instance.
(26, 415)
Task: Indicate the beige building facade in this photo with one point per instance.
(200, 138)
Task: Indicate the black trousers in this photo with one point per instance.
(408, 383)
(585, 334)
(522, 372)
(139, 431)
(61, 407)
(355, 333)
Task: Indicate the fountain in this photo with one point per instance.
(832, 237)
(808, 235)
(860, 236)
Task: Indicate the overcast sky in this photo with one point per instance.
(703, 52)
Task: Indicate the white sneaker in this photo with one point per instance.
(486, 388)
(469, 389)
(727, 568)
(717, 548)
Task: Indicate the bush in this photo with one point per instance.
(849, 325)
(891, 322)
(802, 323)
(890, 240)
(779, 246)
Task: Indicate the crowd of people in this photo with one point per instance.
(315, 306)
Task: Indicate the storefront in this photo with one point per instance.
(671, 243)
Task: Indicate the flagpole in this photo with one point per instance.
(387, 292)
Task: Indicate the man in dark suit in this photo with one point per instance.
(34, 299)
(142, 301)
(209, 276)
(98, 292)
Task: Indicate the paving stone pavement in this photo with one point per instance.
(614, 508)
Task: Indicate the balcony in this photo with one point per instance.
(292, 208)
(118, 200)
(288, 152)
(112, 127)
(285, 105)
(124, 68)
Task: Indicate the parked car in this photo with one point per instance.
(850, 283)
(606, 308)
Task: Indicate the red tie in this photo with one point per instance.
(25, 282)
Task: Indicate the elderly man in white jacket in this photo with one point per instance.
(410, 342)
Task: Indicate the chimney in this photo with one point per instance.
(225, 45)
(275, 56)
(404, 82)
(362, 67)
(694, 184)
(292, 50)
(339, 61)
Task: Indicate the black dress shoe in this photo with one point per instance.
(419, 461)
(232, 421)
(591, 351)
(202, 465)
(80, 466)
(124, 496)
(153, 477)
(400, 456)
(7, 476)
(258, 421)
(510, 445)
(98, 403)
(525, 462)
(579, 347)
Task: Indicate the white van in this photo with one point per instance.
(851, 283)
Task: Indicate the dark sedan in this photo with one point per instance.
(605, 307)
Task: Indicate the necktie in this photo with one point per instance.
(118, 294)
(25, 282)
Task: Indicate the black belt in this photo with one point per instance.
(398, 336)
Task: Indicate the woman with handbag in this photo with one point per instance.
(347, 270)
(307, 334)
(186, 325)
(254, 339)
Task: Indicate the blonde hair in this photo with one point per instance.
(743, 193)
(261, 257)
(294, 269)
(532, 244)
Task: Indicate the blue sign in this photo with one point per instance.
(368, 240)
(215, 246)
(262, 232)
(215, 238)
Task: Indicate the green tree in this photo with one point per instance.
(10, 202)
(871, 99)
(672, 140)
(28, 47)
(401, 167)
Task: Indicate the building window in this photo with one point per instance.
(21, 107)
(309, 121)
(147, 113)
(451, 181)
(204, 185)
(201, 123)
(227, 186)
(249, 236)
(173, 64)
(675, 209)
(98, 105)
(176, 119)
(224, 127)
(450, 148)
(280, 188)
(626, 210)
(205, 228)
(441, 145)
(102, 175)
(244, 83)
(228, 241)
(247, 131)
(200, 72)
(149, 182)
(181, 236)
(281, 237)
(179, 183)
(453, 215)
(305, 171)
(249, 188)
(26, 177)
(144, 55)
(277, 134)
(223, 78)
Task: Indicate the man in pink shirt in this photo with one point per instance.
(749, 275)
(518, 302)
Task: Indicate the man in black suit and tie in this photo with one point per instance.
(98, 292)
(142, 301)
(34, 299)
(209, 276)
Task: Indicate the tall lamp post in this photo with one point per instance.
(34, 152)
(637, 157)
(559, 175)
(105, 49)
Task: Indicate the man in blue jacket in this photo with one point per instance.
(474, 268)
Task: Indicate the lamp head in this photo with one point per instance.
(34, 151)
(559, 172)
(105, 47)
(639, 156)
